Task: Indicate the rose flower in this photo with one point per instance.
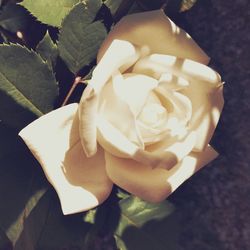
(144, 121)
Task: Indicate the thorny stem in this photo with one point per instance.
(77, 80)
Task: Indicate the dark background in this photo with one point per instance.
(214, 205)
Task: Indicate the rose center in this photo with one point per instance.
(152, 114)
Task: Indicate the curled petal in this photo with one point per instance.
(181, 106)
(167, 154)
(87, 116)
(154, 31)
(117, 111)
(119, 54)
(81, 183)
(154, 185)
(113, 141)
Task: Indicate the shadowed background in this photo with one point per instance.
(214, 205)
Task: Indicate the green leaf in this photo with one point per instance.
(49, 12)
(47, 228)
(147, 226)
(187, 4)
(27, 87)
(21, 188)
(48, 50)
(80, 37)
(14, 17)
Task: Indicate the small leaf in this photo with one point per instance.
(48, 50)
(80, 37)
(27, 87)
(14, 17)
(147, 226)
(187, 4)
(49, 12)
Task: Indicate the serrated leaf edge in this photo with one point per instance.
(38, 111)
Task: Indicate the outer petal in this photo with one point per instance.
(81, 183)
(155, 31)
(120, 54)
(205, 91)
(154, 185)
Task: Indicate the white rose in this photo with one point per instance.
(144, 121)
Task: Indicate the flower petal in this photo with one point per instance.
(173, 82)
(155, 31)
(81, 182)
(134, 90)
(154, 185)
(115, 110)
(114, 142)
(157, 64)
(167, 154)
(181, 105)
(87, 116)
(205, 91)
(207, 106)
(120, 54)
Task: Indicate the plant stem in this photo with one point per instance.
(77, 80)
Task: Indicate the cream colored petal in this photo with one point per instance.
(116, 111)
(120, 54)
(81, 182)
(134, 90)
(205, 91)
(87, 116)
(207, 107)
(154, 185)
(157, 64)
(173, 82)
(181, 106)
(154, 31)
(114, 142)
(151, 135)
(167, 154)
